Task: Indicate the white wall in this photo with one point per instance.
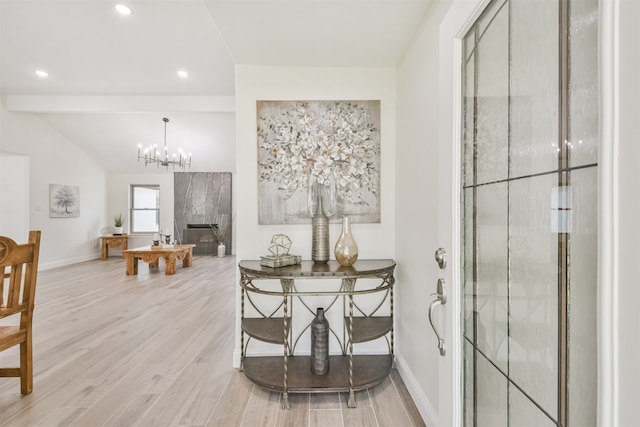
(282, 83)
(424, 180)
(55, 160)
(417, 215)
(14, 196)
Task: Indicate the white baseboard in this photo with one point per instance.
(236, 359)
(429, 415)
(68, 261)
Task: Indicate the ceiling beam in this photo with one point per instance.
(119, 104)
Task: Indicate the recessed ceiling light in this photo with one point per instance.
(42, 73)
(125, 10)
(183, 74)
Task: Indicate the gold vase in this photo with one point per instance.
(346, 249)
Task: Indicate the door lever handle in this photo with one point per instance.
(441, 299)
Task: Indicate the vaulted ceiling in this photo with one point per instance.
(112, 77)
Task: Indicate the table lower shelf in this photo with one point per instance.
(368, 370)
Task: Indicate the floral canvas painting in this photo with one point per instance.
(312, 152)
(64, 201)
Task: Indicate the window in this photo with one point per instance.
(145, 208)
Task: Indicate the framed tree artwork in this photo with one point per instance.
(64, 201)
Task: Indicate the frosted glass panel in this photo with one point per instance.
(468, 116)
(534, 290)
(583, 291)
(491, 395)
(492, 102)
(523, 413)
(583, 101)
(490, 256)
(491, 265)
(534, 87)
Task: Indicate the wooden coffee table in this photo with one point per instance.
(151, 255)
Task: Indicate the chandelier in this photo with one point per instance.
(151, 155)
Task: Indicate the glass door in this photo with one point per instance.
(529, 214)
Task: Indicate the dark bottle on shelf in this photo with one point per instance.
(320, 344)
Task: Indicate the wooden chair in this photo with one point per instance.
(19, 268)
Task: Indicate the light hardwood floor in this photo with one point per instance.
(156, 350)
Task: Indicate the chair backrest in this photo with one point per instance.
(19, 267)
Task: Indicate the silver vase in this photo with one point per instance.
(319, 344)
(320, 236)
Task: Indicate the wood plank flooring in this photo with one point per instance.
(156, 350)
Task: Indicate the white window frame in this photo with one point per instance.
(155, 187)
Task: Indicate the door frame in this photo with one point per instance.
(457, 22)
(608, 212)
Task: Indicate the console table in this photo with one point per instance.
(291, 373)
(113, 242)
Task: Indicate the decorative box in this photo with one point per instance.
(280, 261)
